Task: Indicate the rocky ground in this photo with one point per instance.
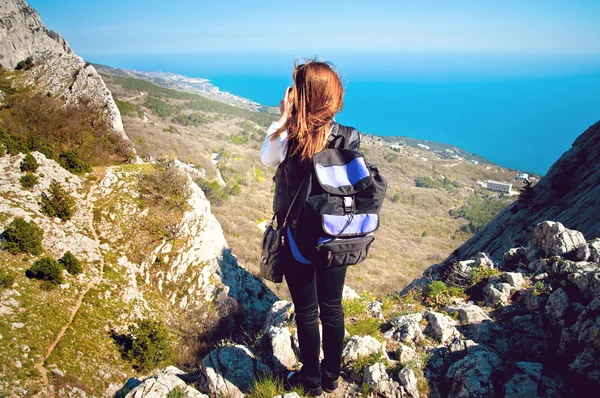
(527, 328)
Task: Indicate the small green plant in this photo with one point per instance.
(539, 287)
(28, 181)
(266, 386)
(71, 161)
(46, 269)
(177, 392)
(480, 273)
(7, 279)
(215, 194)
(364, 390)
(440, 294)
(23, 237)
(2, 150)
(59, 203)
(29, 163)
(364, 361)
(71, 263)
(149, 345)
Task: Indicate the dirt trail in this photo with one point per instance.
(40, 366)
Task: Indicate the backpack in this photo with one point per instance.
(338, 211)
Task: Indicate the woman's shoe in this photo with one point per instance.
(293, 381)
(329, 386)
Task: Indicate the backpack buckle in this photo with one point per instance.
(348, 204)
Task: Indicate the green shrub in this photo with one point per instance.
(29, 180)
(233, 189)
(479, 210)
(480, 273)
(440, 294)
(46, 269)
(215, 194)
(70, 160)
(2, 150)
(59, 203)
(266, 387)
(25, 64)
(7, 279)
(364, 361)
(177, 392)
(29, 163)
(22, 237)
(71, 263)
(151, 345)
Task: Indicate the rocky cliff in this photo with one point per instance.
(56, 69)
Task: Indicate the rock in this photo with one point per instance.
(583, 253)
(162, 385)
(468, 313)
(441, 327)
(515, 279)
(349, 294)
(557, 307)
(58, 372)
(288, 395)
(553, 239)
(284, 358)
(472, 375)
(515, 257)
(531, 369)
(497, 293)
(461, 345)
(361, 346)
(521, 386)
(408, 380)
(17, 325)
(405, 354)
(482, 260)
(406, 329)
(279, 315)
(374, 308)
(594, 250)
(375, 374)
(231, 370)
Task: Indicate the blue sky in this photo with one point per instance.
(94, 27)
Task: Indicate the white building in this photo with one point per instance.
(499, 186)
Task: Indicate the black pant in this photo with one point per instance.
(314, 288)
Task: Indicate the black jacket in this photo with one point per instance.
(291, 171)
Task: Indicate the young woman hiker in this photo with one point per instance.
(305, 127)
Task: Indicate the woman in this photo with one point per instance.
(305, 127)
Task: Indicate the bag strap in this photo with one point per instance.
(294, 200)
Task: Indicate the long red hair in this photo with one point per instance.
(315, 98)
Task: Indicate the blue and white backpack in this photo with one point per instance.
(338, 211)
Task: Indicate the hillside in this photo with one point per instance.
(416, 220)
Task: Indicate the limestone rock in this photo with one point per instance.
(361, 346)
(521, 386)
(497, 293)
(472, 375)
(406, 329)
(557, 307)
(409, 381)
(284, 358)
(468, 313)
(441, 327)
(594, 247)
(405, 354)
(531, 369)
(375, 309)
(349, 294)
(231, 370)
(376, 377)
(553, 239)
(280, 314)
(514, 257)
(160, 385)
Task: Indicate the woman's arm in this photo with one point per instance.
(273, 151)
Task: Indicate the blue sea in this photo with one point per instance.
(521, 112)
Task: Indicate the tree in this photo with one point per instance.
(46, 269)
(71, 263)
(150, 345)
(526, 193)
(59, 203)
(23, 237)
(29, 164)
(71, 161)
(29, 180)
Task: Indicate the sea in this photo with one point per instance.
(519, 111)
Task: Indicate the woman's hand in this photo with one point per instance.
(284, 107)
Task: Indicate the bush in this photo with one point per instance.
(7, 279)
(25, 64)
(29, 180)
(71, 161)
(479, 211)
(46, 269)
(440, 294)
(29, 163)
(22, 237)
(151, 345)
(71, 263)
(213, 191)
(2, 150)
(59, 203)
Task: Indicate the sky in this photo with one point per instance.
(94, 27)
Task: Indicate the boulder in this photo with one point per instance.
(557, 307)
(161, 385)
(361, 346)
(375, 308)
(405, 354)
(472, 375)
(280, 314)
(553, 239)
(230, 371)
(441, 327)
(496, 293)
(515, 257)
(409, 381)
(594, 250)
(468, 313)
(349, 294)
(406, 329)
(521, 386)
(284, 358)
(532, 369)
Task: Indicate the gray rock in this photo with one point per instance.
(594, 250)
(349, 294)
(553, 239)
(468, 313)
(231, 370)
(406, 329)
(496, 293)
(408, 380)
(515, 257)
(472, 375)
(288, 395)
(482, 260)
(521, 386)
(376, 377)
(284, 358)
(375, 309)
(557, 307)
(160, 385)
(583, 253)
(361, 346)
(461, 345)
(280, 314)
(405, 354)
(531, 369)
(441, 327)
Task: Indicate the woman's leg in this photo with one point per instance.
(330, 286)
(300, 279)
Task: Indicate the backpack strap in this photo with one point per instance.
(345, 137)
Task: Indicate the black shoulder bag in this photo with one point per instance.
(274, 251)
